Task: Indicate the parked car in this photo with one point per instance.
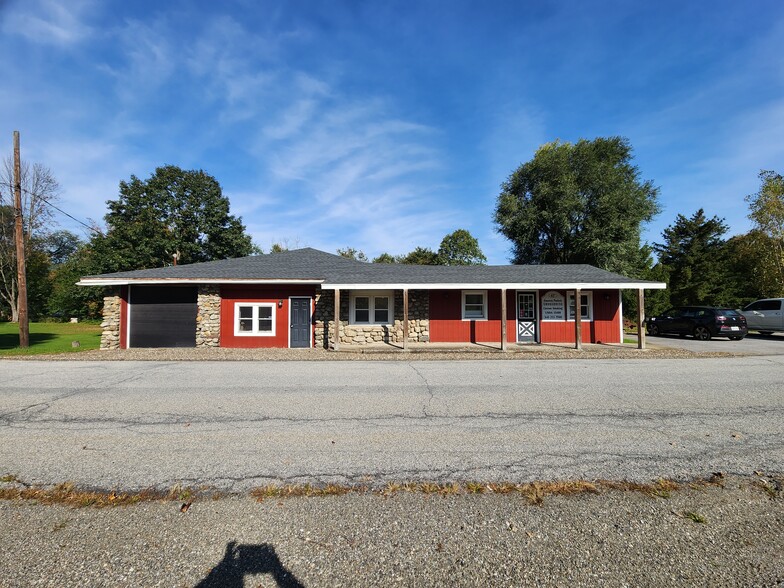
(702, 322)
(765, 315)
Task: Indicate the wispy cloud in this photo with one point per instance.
(47, 22)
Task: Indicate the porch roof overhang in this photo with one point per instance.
(498, 286)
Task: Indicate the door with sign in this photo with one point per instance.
(526, 317)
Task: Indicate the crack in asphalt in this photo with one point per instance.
(99, 386)
(429, 389)
(523, 417)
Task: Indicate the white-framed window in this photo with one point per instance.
(586, 306)
(254, 319)
(474, 305)
(371, 308)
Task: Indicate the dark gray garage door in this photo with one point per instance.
(163, 316)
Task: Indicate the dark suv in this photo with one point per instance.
(703, 322)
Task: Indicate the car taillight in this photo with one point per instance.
(721, 318)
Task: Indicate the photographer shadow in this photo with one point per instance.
(245, 560)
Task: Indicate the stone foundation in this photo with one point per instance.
(110, 336)
(418, 321)
(208, 316)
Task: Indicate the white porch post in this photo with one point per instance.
(503, 319)
(336, 346)
(578, 323)
(405, 319)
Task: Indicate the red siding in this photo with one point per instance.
(123, 316)
(232, 294)
(446, 326)
(604, 328)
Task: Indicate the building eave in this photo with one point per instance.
(498, 286)
(185, 281)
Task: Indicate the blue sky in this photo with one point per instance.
(386, 125)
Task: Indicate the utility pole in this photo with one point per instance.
(21, 272)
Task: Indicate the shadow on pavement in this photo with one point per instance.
(245, 560)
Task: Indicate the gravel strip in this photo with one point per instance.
(377, 354)
(616, 538)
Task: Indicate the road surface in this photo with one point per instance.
(237, 425)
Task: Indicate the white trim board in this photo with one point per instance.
(499, 286)
(193, 281)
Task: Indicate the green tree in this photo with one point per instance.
(460, 248)
(746, 265)
(767, 212)
(66, 298)
(61, 245)
(578, 203)
(172, 213)
(351, 253)
(421, 256)
(695, 258)
(386, 258)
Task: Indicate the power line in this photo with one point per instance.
(61, 211)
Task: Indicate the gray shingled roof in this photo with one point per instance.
(299, 264)
(312, 264)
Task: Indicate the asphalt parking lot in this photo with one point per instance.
(752, 344)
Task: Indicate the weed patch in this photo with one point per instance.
(772, 489)
(69, 495)
(534, 492)
(695, 516)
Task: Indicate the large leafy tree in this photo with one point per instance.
(172, 213)
(767, 212)
(580, 202)
(695, 258)
(460, 248)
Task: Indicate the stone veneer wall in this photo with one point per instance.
(418, 320)
(110, 336)
(208, 316)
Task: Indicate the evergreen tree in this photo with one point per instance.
(695, 258)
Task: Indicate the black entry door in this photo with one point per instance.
(300, 322)
(163, 316)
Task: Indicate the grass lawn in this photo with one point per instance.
(50, 338)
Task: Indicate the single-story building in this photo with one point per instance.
(309, 298)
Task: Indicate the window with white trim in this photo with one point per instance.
(254, 319)
(474, 305)
(371, 308)
(586, 306)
